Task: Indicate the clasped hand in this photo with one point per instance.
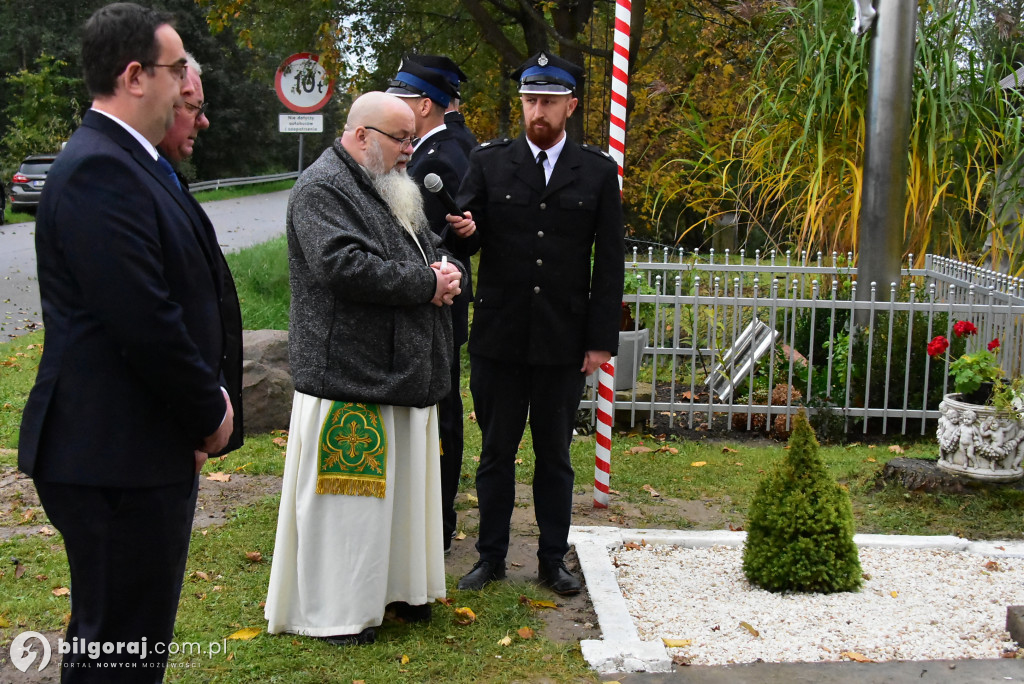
(448, 279)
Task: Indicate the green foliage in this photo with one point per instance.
(43, 113)
(800, 525)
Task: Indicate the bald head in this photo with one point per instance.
(377, 132)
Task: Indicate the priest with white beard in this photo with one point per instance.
(370, 345)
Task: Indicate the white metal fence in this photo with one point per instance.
(723, 324)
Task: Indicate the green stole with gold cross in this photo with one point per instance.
(353, 451)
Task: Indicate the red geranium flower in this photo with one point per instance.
(993, 345)
(938, 346)
(964, 328)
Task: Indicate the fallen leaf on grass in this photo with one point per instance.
(676, 643)
(993, 566)
(460, 536)
(4, 622)
(246, 633)
(254, 556)
(472, 416)
(649, 489)
(231, 656)
(519, 461)
(42, 578)
(735, 528)
(464, 616)
(201, 575)
(640, 450)
(727, 450)
(525, 633)
(698, 464)
(747, 626)
(668, 449)
(28, 515)
(403, 659)
(444, 601)
(858, 657)
(737, 463)
(219, 477)
(870, 460)
(280, 441)
(19, 570)
(527, 601)
(46, 531)
(896, 449)
(505, 641)
(61, 591)
(472, 500)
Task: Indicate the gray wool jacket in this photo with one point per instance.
(362, 325)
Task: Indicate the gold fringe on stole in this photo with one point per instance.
(334, 484)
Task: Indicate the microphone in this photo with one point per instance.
(432, 182)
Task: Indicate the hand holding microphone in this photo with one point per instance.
(464, 226)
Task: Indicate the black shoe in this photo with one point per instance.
(448, 543)
(409, 613)
(556, 577)
(367, 636)
(482, 574)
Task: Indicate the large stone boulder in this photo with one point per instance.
(267, 386)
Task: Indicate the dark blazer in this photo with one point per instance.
(456, 123)
(539, 297)
(442, 154)
(138, 329)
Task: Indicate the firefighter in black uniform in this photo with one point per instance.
(545, 316)
(423, 82)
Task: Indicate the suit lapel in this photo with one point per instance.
(526, 165)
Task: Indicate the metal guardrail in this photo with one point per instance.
(250, 180)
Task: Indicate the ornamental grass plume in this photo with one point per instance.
(800, 525)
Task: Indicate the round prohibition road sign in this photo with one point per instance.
(302, 84)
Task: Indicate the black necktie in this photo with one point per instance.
(540, 165)
(169, 170)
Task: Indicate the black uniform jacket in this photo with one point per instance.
(140, 336)
(549, 286)
(442, 154)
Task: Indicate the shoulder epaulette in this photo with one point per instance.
(497, 142)
(593, 149)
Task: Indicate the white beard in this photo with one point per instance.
(399, 192)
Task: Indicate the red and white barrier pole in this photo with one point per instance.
(620, 85)
(605, 418)
(617, 149)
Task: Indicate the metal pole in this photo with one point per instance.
(300, 152)
(884, 191)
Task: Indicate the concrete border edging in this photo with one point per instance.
(621, 650)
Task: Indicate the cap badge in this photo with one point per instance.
(542, 60)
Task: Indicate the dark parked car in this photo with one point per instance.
(27, 183)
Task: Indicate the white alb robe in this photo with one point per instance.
(339, 559)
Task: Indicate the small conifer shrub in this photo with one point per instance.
(800, 525)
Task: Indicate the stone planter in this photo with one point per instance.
(979, 441)
(631, 353)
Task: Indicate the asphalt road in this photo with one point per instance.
(239, 223)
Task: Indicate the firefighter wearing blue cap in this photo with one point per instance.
(425, 83)
(546, 314)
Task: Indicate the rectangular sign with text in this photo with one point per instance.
(300, 123)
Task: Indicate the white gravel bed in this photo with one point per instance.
(915, 604)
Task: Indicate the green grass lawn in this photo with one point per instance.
(226, 597)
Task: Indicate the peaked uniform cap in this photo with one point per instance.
(415, 80)
(547, 74)
(443, 64)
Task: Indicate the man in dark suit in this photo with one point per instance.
(129, 397)
(424, 83)
(546, 315)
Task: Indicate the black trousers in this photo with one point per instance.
(451, 433)
(127, 550)
(504, 394)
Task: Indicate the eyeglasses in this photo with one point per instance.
(198, 111)
(180, 68)
(412, 140)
